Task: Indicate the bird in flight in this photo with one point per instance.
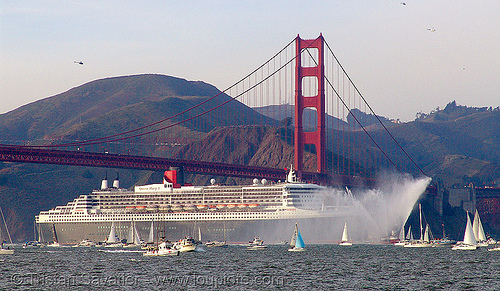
(403, 3)
(78, 62)
(432, 29)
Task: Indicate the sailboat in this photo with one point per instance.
(444, 241)
(222, 244)
(6, 251)
(133, 239)
(294, 236)
(427, 234)
(406, 238)
(113, 241)
(298, 244)
(402, 237)
(54, 236)
(345, 237)
(477, 228)
(151, 237)
(469, 242)
(409, 236)
(424, 241)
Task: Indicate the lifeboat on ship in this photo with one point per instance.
(220, 206)
(212, 207)
(152, 207)
(254, 205)
(164, 207)
(231, 206)
(242, 205)
(176, 207)
(189, 207)
(201, 206)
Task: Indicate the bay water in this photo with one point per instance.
(320, 267)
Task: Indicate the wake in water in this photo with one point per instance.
(375, 213)
(121, 251)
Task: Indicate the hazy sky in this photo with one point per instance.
(399, 65)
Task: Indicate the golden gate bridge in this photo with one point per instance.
(303, 92)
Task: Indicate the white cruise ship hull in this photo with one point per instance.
(237, 227)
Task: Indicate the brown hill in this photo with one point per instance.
(92, 109)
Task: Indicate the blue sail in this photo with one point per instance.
(299, 243)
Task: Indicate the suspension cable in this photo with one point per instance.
(376, 116)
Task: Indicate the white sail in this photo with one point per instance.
(112, 234)
(477, 228)
(469, 233)
(137, 239)
(426, 234)
(409, 235)
(133, 235)
(5, 223)
(151, 237)
(294, 236)
(54, 234)
(402, 233)
(345, 235)
(130, 238)
(298, 244)
(421, 225)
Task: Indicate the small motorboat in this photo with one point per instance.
(256, 244)
(161, 250)
(187, 244)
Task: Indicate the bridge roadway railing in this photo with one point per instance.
(90, 159)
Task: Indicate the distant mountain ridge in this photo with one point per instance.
(137, 100)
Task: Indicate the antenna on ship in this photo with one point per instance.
(104, 183)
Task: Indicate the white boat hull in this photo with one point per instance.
(256, 247)
(295, 249)
(185, 249)
(418, 245)
(216, 244)
(464, 247)
(161, 253)
(114, 245)
(6, 251)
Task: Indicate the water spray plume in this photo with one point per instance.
(375, 213)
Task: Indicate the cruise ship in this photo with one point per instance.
(177, 209)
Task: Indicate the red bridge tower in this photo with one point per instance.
(312, 75)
